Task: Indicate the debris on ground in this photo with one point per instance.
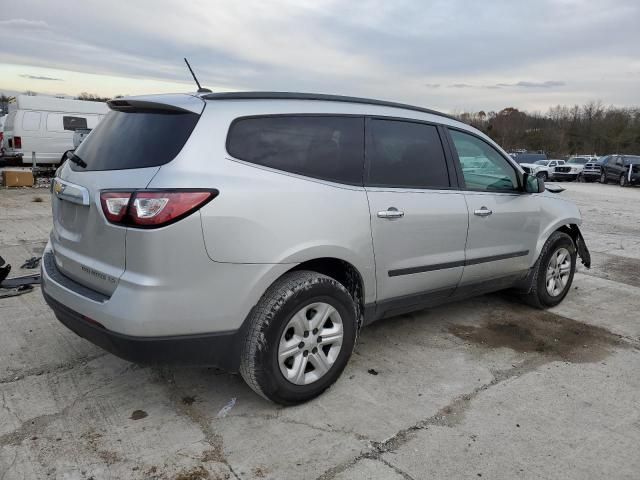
(372, 371)
(33, 279)
(31, 263)
(4, 269)
(138, 415)
(224, 411)
(14, 292)
(188, 400)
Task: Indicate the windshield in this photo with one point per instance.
(578, 160)
(542, 162)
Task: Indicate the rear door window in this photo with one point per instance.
(325, 147)
(132, 139)
(404, 154)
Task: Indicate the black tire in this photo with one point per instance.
(288, 295)
(603, 177)
(623, 180)
(536, 294)
(542, 175)
(581, 179)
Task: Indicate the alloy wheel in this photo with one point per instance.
(558, 272)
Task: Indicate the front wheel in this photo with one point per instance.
(542, 175)
(300, 337)
(623, 180)
(603, 177)
(553, 272)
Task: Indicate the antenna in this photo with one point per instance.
(200, 88)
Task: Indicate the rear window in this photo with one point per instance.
(325, 147)
(124, 140)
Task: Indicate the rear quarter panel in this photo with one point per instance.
(265, 216)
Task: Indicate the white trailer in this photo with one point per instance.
(45, 125)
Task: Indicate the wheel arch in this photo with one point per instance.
(342, 271)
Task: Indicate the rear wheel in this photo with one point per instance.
(553, 272)
(542, 175)
(300, 337)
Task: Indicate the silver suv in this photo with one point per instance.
(259, 232)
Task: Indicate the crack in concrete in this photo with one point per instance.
(399, 471)
(200, 419)
(448, 416)
(17, 375)
(291, 421)
(34, 425)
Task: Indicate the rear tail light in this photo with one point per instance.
(152, 208)
(17, 142)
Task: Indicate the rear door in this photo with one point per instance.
(124, 152)
(418, 219)
(503, 221)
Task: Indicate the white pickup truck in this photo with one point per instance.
(544, 169)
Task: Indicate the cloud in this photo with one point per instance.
(23, 23)
(40, 77)
(461, 85)
(432, 85)
(523, 84)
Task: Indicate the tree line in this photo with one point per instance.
(588, 129)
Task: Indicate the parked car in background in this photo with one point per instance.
(623, 169)
(239, 230)
(542, 168)
(590, 171)
(45, 125)
(571, 169)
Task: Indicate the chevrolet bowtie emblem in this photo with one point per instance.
(58, 187)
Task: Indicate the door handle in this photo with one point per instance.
(391, 212)
(483, 212)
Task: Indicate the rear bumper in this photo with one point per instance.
(215, 349)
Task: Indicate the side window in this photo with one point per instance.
(325, 147)
(482, 166)
(31, 121)
(405, 154)
(73, 123)
(552, 164)
(619, 161)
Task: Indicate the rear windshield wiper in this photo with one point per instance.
(72, 157)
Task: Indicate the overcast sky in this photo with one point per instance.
(452, 55)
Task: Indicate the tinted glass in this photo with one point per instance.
(405, 154)
(73, 123)
(325, 147)
(135, 140)
(482, 166)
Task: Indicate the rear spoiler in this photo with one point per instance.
(158, 104)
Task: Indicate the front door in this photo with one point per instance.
(503, 220)
(418, 221)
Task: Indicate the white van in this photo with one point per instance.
(45, 125)
(2, 120)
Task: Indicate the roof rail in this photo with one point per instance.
(316, 96)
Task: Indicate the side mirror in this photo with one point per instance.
(533, 184)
